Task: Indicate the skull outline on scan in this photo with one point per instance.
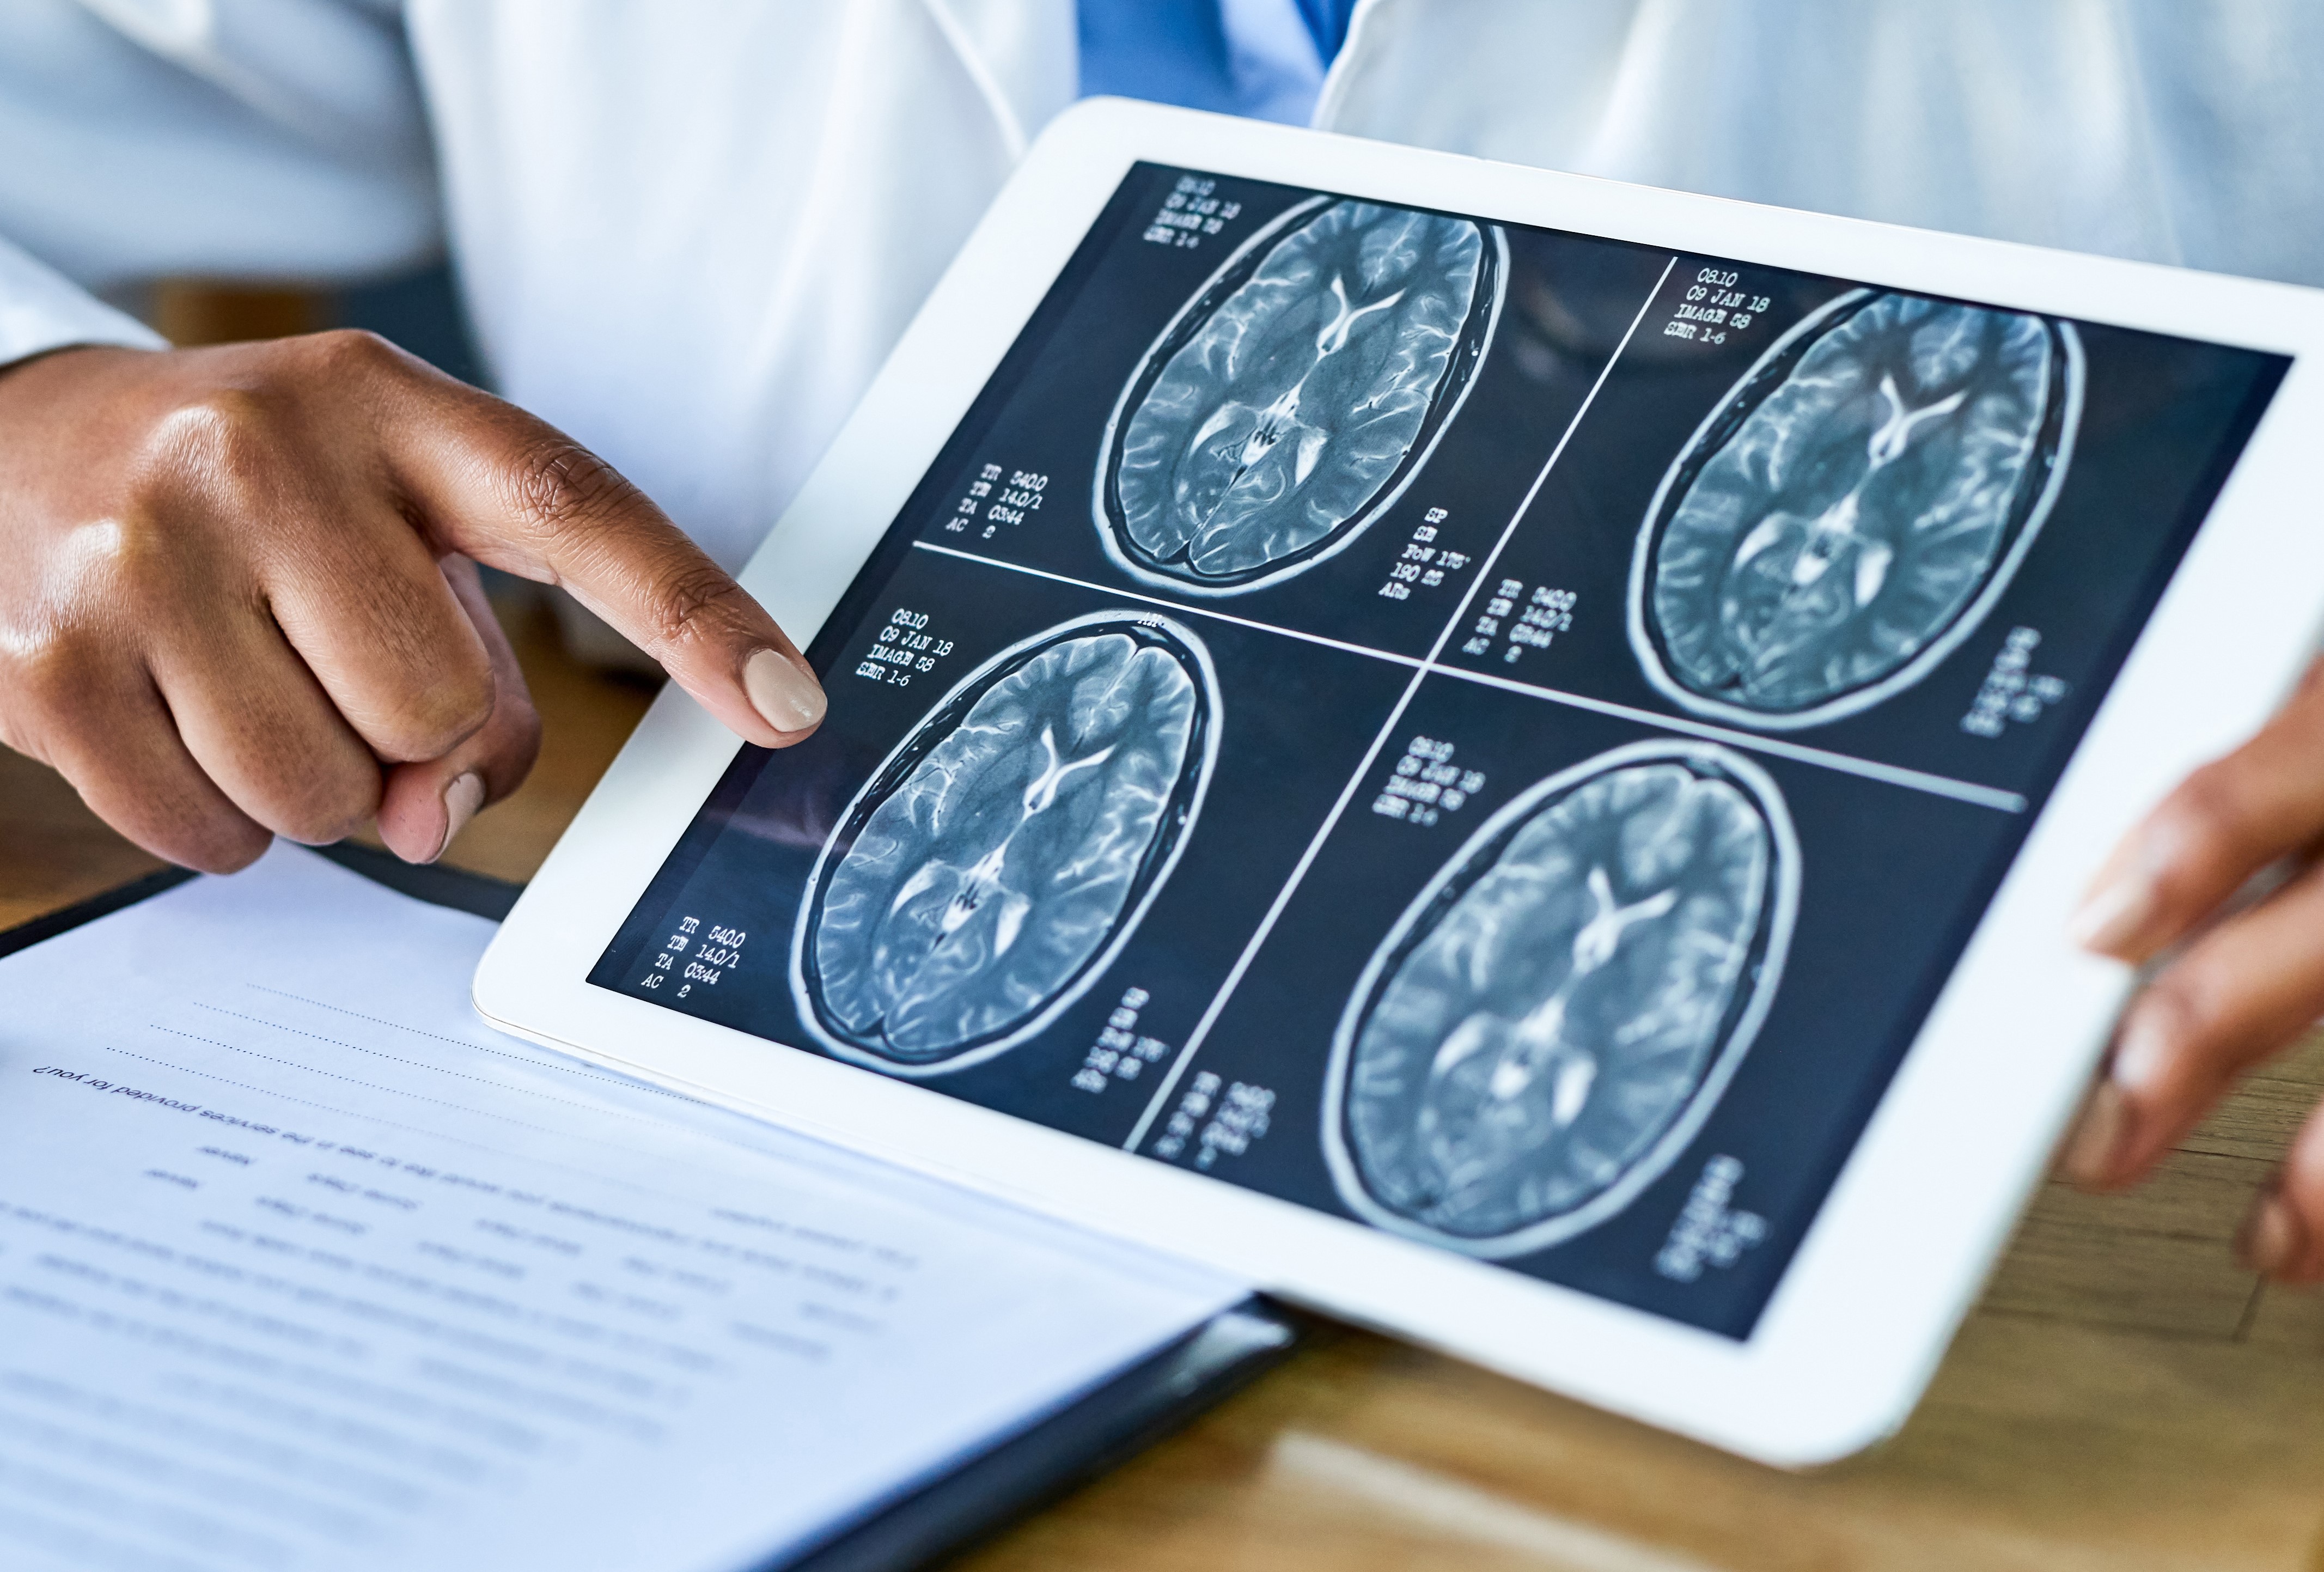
(1557, 1013)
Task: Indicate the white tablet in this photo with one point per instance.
(1503, 754)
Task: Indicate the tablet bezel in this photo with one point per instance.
(1925, 1201)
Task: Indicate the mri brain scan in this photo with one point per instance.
(1008, 846)
(1836, 526)
(1561, 997)
(1297, 394)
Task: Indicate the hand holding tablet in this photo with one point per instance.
(1505, 755)
(2241, 989)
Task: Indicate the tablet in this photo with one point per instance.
(1504, 754)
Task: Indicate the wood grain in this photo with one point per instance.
(2123, 1398)
(54, 851)
(192, 312)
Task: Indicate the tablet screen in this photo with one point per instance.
(1496, 733)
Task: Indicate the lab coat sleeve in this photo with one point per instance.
(40, 311)
(280, 140)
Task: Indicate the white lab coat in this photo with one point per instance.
(688, 232)
(2189, 132)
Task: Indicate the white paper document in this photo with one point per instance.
(303, 1267)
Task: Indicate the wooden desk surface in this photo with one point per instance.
(2123, 1398)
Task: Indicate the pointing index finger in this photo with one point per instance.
(494, 484)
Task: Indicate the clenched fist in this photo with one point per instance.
(240, 598)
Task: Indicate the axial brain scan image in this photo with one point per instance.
(1555, 1000)
(1297, 394)
(1009, 842)
(1857, 492)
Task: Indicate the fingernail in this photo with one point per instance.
(2271, 1235)
(2114, 913)
(462, 799)
(782, 692)
(2089, 1157)
(2141, 1051)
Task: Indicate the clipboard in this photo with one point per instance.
(1018, 1473)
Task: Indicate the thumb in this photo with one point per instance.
(424, 805)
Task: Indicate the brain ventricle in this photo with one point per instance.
(1561, 1002)
(1859, 508)
(1300, 397)
(996, 869)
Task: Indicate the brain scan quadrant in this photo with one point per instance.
(1853, 508)
(1008, 846)
(1297, 394)
(1561, 1007)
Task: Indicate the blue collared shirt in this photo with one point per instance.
(1261, 58)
